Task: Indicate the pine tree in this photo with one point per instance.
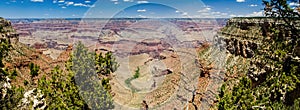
(91, 89)
(61, 91)
(105, 64)
(34, 70)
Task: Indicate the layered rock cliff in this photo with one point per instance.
(251, 38)
(263, 50)
(17, 86)
(6, 31)
(16, 60)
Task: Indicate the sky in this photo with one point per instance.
(130, 8)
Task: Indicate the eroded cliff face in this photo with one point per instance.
(251, 38)
(16, 70)
(7, 32)
(244, 36)
(261, 49)
(18, 58)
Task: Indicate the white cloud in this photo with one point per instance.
(253, 5)
(61, 1)
(79, 4)
(63, 7)
(224, 14)
(232, 15)
(87, 1)
(142, 2)
(83, 5)
(177, 11)
(215, 13)
(220, 14)
(205, 10)
(294, 4)
(255, 14)
(69, 3)
(208, 12)
(37, 0)
(204, 14)
(184, 14)
(208, 8)
(128, 0)
(240, 0)
(115, 1)
(143, 10)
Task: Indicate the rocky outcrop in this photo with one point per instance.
(7, 32)
(14, 60)
(244, 48)
(251, 38)
(20, 56)
(4, 86)
(34, 97)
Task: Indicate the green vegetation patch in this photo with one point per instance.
(135, 76)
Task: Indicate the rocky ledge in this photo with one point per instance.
(7, 32)
(251, 38)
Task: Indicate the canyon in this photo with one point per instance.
(182, 63)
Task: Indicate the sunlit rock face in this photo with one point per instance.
(6, 31)
(250, 38)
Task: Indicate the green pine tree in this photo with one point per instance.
(91, 89)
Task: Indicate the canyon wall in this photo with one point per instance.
(266, 51)
(250, 38)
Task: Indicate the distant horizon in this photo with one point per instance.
(125, 18)
(114, 18)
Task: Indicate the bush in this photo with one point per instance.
(34, 70)
(137, 73)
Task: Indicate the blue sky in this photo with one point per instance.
(129, 8)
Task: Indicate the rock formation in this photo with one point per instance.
(7, 31)
(244, 36)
